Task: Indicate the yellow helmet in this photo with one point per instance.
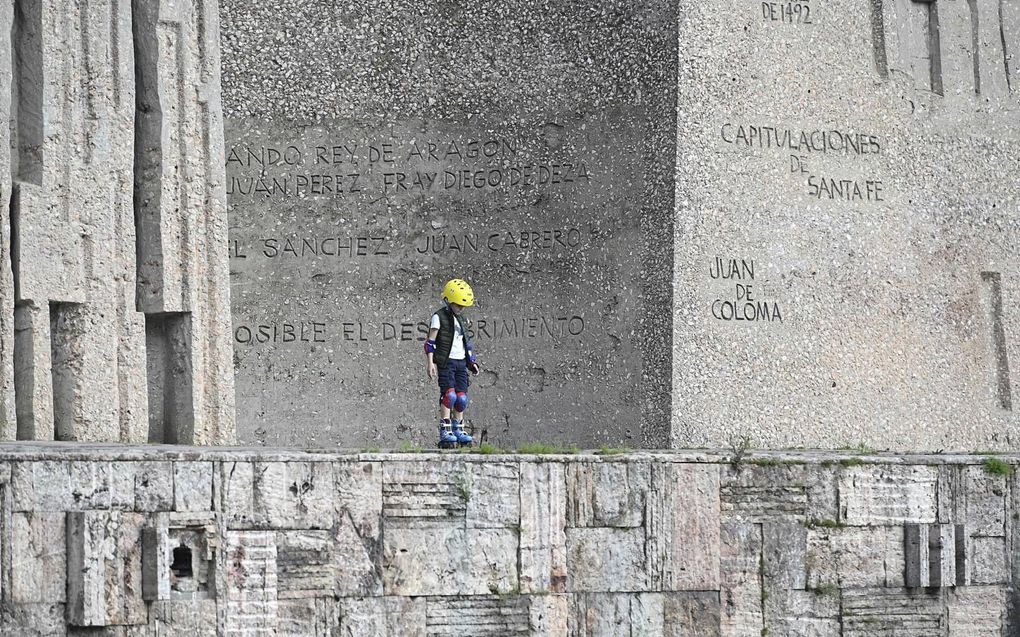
(458, 291)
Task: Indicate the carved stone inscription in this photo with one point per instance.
(342, 235)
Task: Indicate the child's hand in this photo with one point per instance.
(430, 368)
(474, 367)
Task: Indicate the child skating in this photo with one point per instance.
(449, 357)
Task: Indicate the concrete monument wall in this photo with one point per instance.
(376, 150)
(146, 541)
(848, 224)
(114, 296)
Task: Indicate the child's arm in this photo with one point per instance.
(430, 348)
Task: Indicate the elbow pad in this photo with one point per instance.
(430, 347)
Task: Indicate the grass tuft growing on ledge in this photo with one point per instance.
(997, 466)
(545, 449)
(606, 450)
(851, 462)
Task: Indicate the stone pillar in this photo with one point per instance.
(8, 422)
(180, 204)
(80, 361)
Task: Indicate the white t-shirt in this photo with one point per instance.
(457, 352)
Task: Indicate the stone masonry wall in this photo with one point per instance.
(172, 541)
(114, 299)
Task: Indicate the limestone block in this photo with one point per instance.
(868, 612)
(306, 565)
(180, 553)
(606, 559)
(682, 527)
(57, 485)
(308, 617)
(759, 492)
(193, 617)
(809, 614)
(675, 614)
(976, 611)
(358, 529)
(142, 486)
(488, 504)
(457, 561)
(33, 620)
(784, 554)
(294, 495)
(425, 492)
(104, 568)
(181, 202)
(985, 502)
(887, 494)
(251, 596)
(234, 483)
(550, 615)
(193, 486)
(606, 494)
(854, 557)
(482, 615)
(600, 614)
(382, 617)
(740, 579)
(543, 499)
(987, 561)
(38, 560)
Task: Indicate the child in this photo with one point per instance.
(449, 357)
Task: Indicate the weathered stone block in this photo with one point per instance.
(151, 485)
(740, 579)
(33, 620)
(931, 555)
(854, 557)
(306, 565)
(808, 614)
(985, 502)
(888, 494)
(759, 492)
(606, 494)
(235, 487)
(784, 553)
(358, 540)
(606, 559)
(425, 492)
(193, 486)
(308, 617)
(104, 568)
(682, 527)
(550, 614)
(481, 615)
(58, 485)
(193, 617)
(382, 617)
(600, 614)
(543, 556)
(250, 579)
(38, 554)
(868, 612)
(987, 561)
(488, 504)
(976, 611)
(454, 560)
(294, 495)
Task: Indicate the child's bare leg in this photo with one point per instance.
(458, 415)
(444, 412)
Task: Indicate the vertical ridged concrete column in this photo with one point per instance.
(8, 426)
(180, 206)
(80, 359)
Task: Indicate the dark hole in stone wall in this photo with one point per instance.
(180, 567)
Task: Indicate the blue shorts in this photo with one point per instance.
(455, 375)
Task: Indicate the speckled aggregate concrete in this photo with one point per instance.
(376, 150)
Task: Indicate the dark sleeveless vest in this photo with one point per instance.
(444, 340)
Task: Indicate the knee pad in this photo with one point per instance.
(461, 403)
(449, 398)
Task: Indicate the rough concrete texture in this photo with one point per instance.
(152, 541)
(849, 167)
(106, 189)
(376, 150)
